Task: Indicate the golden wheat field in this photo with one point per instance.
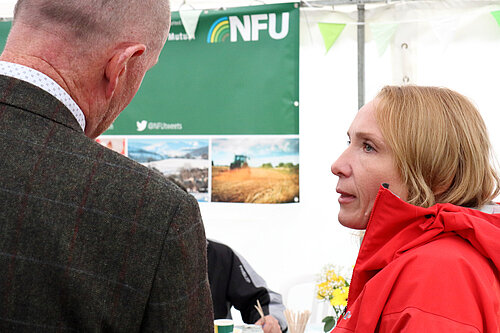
(256, 185)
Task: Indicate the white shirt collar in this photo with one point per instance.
(44, 82)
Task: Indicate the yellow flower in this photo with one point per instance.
(334, 288)
(323, 289)
(331, 276)
(335, 280)
(339, 296)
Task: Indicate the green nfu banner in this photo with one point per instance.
(4, 32)
(239, 75)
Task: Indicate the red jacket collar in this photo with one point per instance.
(396, 226)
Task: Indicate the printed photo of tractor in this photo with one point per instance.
(240, 161)
(255, 170)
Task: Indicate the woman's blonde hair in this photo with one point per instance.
(440, 143)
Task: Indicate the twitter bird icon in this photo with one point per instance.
(141, 125)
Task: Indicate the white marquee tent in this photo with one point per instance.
(445, 43)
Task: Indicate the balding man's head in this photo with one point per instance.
(97, 50)
(97, 22)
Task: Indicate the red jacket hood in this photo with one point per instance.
(393, 222)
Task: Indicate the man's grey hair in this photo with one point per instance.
(98, 21)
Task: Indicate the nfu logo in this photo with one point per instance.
(248, 29)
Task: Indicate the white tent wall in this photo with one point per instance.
(450, 43)
(6, 8)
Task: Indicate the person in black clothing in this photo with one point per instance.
(234, 283)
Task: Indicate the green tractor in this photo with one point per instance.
(240, 161)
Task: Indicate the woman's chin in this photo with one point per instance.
(352, 222)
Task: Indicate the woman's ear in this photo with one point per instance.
(117, 65)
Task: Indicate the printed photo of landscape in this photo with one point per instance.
(186, 161)
(255, 170)
(113, 143)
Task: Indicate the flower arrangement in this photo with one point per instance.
(334, 288)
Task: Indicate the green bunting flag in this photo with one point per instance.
(496, 15)
(330, 33)
(189, 20)
(383, 33)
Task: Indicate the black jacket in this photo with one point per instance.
(234, 283)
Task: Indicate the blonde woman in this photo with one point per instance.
(417, 175)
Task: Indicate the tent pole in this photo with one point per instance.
(361, 54)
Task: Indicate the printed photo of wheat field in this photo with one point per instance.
(255, 170)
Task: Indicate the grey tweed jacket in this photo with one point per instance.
(90, 241)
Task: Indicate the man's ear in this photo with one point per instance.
(118, 63)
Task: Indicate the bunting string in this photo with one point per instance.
(383, 33)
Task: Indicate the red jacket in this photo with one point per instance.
(425, 270)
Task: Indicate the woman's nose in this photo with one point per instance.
(340, 167)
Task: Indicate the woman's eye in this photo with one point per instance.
(348, 142)
(367, 147)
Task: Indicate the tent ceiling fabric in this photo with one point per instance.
(7, 8)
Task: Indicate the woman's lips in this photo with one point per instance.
(345, 197)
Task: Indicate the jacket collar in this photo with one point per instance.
(25, 96)
(396, 226)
